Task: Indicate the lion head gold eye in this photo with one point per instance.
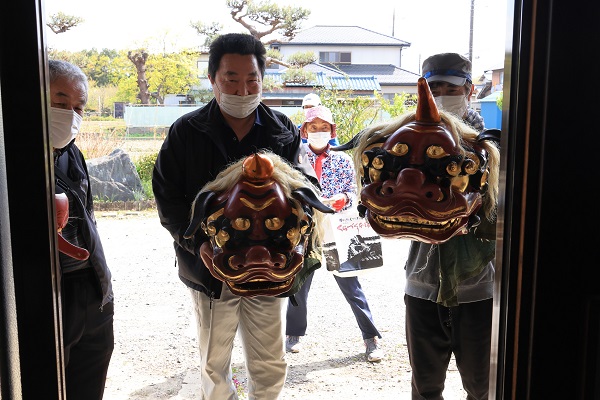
(436, 152)
(471, 164)
(452, 169)
(364, 159)
(210, 229)
(240, 224)
(209, 226)
(221, 238)
(274, 223)
(377, 163)
(399, 149)
(293, 236)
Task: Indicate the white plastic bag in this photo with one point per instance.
(350, 246)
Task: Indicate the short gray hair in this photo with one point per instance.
(63, 69)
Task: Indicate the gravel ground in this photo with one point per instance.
(156, 357)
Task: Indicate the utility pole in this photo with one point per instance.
(471, 32)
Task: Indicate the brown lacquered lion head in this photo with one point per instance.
(259, 215)
(61, 202)
(425, 175)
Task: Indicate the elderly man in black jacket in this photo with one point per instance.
(87, 296)
(198, 146)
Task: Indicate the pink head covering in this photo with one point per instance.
(321, 112)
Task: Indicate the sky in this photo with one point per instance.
(430, 26)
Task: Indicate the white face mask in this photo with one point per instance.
(454, 104)
(64, 126)
(318, 140)
(239, 106)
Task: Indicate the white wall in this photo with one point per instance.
(360, 54)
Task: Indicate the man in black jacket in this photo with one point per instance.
(87, 296)
(199, 145)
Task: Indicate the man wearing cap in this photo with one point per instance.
(449, 77)
(435, 328)
(336, 175)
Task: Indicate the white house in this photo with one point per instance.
(355, 52)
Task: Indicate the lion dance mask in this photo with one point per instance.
(61, 202)
(259, 217)
(423, 175)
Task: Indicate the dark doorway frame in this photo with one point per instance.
(546, 311)
(31, 358)
(547, 302)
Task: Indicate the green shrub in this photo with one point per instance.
(147, 192)
(144, 166)
(499, 100)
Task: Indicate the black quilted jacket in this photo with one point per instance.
(193, 154)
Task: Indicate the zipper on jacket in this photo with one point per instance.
(212, 298)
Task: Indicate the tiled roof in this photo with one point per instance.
(343, 35)
(386, 74)
(334, 81)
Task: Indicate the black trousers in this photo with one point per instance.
(88, 336)
(434, 332)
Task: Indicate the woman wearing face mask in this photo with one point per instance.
(336, 175)
(87, 296)
(337, 181)
(312, 100)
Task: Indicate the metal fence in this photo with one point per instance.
(152, 115)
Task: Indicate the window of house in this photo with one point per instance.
(274, 66)
(389, 97)
(335, 57)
